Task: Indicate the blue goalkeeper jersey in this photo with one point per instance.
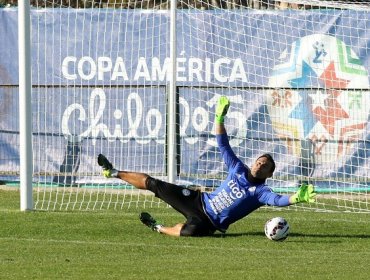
(236, 197)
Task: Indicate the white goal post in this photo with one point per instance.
(25, 107)
(139, 83)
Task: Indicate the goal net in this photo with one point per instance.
(296, 73)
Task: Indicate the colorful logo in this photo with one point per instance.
(320, 97)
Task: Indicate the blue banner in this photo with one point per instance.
(298, 82)
(118, 47)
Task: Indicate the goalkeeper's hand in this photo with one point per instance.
(306, 193)
(222, 107)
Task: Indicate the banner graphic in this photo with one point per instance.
(305, 99)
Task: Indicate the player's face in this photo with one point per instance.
(261, 169)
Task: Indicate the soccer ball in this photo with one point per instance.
(277, 229)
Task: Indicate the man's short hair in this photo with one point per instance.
(270, 159)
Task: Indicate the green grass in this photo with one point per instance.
(113, 244)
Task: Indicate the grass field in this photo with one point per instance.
(115, 245)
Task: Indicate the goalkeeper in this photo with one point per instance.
(243, 191)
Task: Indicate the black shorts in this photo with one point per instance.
(186, 201)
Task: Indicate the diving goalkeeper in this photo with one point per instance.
(243, 191)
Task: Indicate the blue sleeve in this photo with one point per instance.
(268, 197)
(227, 153)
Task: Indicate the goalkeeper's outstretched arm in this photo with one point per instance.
(222, 107)
(227, 153)
(306, 193)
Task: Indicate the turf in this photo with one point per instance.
(113, 244)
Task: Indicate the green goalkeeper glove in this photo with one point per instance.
(222, 106)
(306, 193)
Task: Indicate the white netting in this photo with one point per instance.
(296, 74)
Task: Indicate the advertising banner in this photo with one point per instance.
(301, 94)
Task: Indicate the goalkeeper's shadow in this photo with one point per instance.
(237, 234)
(310, 235)
(329, 235)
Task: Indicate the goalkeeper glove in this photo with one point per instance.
(222, 106)
(306, 193)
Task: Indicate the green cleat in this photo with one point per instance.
(104, 162)
(108, 170)
(149, 221)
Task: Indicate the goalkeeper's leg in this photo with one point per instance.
(172, 194)
(134, 178)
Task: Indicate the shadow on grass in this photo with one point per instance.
(220, 235)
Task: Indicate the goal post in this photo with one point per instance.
(25, 109)
(104, 80)
(172, 92)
